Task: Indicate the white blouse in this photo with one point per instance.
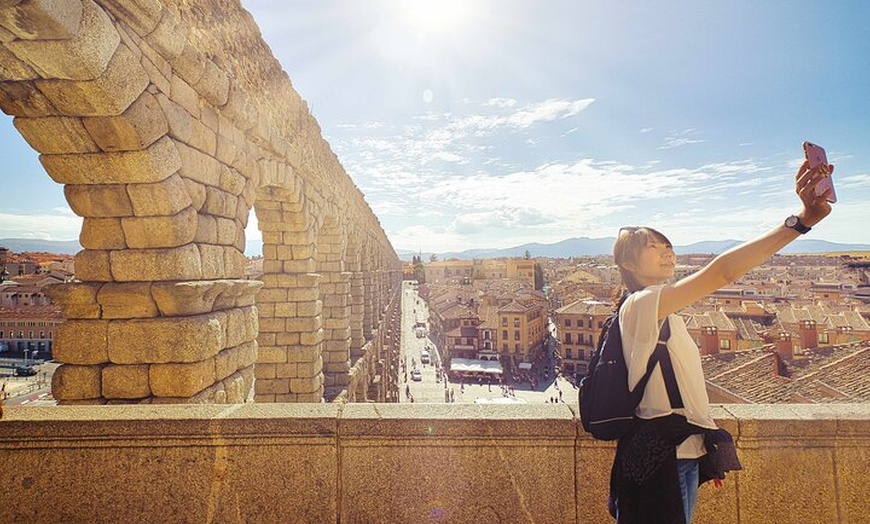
(640, 330)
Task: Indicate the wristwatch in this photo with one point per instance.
(795, 223)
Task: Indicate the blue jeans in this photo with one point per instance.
(687, 471)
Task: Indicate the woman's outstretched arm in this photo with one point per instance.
(737, 261)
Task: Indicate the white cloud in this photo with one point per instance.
(63, 225)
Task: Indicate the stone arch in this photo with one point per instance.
(164, 137)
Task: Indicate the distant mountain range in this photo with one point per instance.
(571, 247)
(584, 246)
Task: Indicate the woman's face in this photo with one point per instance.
(655, 263)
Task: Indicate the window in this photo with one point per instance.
(581, 354)
(823, 338)
(504, 334)
(516, 322)
(568, 338)
(516, 335)
(724, 344)
(568, 353)
(567, 322)
(504, 321)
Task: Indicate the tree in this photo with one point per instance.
(528, 255)
(539, 277)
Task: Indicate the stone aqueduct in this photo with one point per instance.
(167, 122)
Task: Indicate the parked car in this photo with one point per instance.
(424, 357)
(24, 371)
(416, 375)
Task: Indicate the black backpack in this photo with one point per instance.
(607, 406)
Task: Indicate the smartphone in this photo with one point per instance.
(817, 157)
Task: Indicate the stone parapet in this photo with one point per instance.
(804, 464)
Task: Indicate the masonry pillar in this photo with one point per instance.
(357, 314)
(290, 363)
(160, 313)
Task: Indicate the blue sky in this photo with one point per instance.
(492, 123)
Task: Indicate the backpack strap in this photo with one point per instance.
(663, 357)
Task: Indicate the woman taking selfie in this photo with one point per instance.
(655, 474)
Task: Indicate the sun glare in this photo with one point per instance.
(436, 15)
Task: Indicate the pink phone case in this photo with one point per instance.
(817, 157)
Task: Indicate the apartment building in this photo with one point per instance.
(29, 332)
(521, 331)
(578, 328)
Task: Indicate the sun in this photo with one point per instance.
(436, 16)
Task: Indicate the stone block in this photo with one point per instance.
(169, 36)
(140, 15)
(303, 324)
(303, 354)
(206, 230)
(164, 340)
(43, 19)
(264, 371)
(166, 197)
(212, 258)
(196, 192)
(24, 99)
(126, 382)
(71, 383)
(156, 163)
(241, 293)
(239, 108)
(102, 233)
(289, 370)
(143, 265)
(85, 55)
(93, 266)
(160, 231)
(199, 167)
(82, 57)
(285, 339)
(271, 355)
(6, 35)
(181, 379)
(226, 363)
(139, 126)
(180, 122)
(213, 85)
(82, 342)
(241, 326)
(226, 148)
(127, 300)
(187, 298)
(11, 68)
(182, 94)
(285, 309)
(309, 369)
(311, 338)
(111, 93)
(159, 71)
(78, 300)
(202, 138)
(304, 385)
(56, 135)
(227, 229)
(99, 201)
(189, 64)
(276, 386)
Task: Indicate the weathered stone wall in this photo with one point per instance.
(401, 463)
(167, 122)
